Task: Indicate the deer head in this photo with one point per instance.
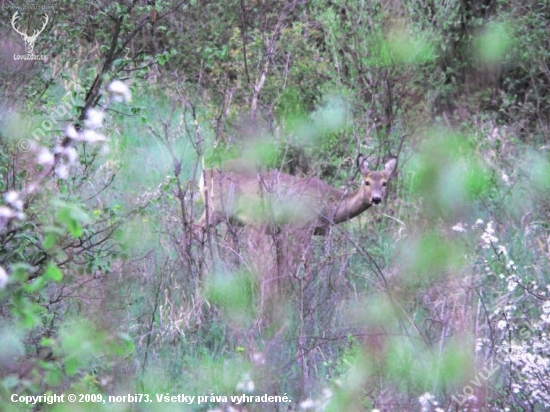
(375, 183)
(29, 40)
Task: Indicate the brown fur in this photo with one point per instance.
(274, 199)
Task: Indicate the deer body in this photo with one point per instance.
(274, 199)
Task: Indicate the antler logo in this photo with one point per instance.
(29, 40)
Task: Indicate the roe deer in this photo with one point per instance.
(274, 199)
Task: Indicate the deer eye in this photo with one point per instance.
(367, 183)
(384, 183)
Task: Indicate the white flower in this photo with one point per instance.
(319, 404)
(62, 171)
(502, 324)
(327, 393)
(45, 157)
(71, 154)
(307, 404)
(479, 344)
(6, 212)
(68, 152)
(511, 308)
(12, 198)
(119, 91)
(92, 137)
(426, 401)
(546, 307)
(246, 384)
(258, 358)
(3, 278)
(94, 118)
(487, 236)
(501, 249)
(459, 227)
(71, 132)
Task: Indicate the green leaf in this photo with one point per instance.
(36, 285)
(20, 272)
(53, 273)
(53, 377)
(29, 314)
(72, 216)
(494, 42)
(80, 343)
(49, 241)
(126, 345)
(73, 225)
(72, 365)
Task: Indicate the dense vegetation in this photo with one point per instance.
(437, 300)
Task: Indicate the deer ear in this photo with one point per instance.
(389, 167)
(362, 164)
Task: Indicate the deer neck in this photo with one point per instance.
(350, 205)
